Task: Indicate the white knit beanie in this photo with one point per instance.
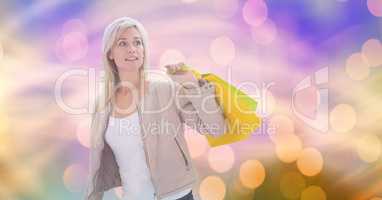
(111, 31)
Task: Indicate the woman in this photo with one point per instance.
(137, 134)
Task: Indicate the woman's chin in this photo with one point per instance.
(130, 68)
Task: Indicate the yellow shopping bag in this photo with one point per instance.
(239, 110)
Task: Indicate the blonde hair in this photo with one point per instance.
(111, 78)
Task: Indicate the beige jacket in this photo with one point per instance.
(166, 106)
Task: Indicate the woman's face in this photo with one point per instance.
(127, 51)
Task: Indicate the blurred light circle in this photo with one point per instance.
(369, 148)
(197, 143)
(343, 118)
(265, 33)
(372, 50)
(74, 25)
(280, 125)
(292, 184)
(72, 47)
(357, 67)
(212, 188)
(288, 147)
(313, 193)
(225, 8)
(119, 192)
(222, 50)
(171, 56)
(74, 177)
(252, 174)
(255, 12)
(375, 7)
(310, 162)
(221, 158)
(83, 132)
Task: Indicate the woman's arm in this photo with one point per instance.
(196, 102)
(198, 108)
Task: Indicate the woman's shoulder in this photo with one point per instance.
(160, 82)
(163, 89)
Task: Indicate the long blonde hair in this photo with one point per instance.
(111, 78)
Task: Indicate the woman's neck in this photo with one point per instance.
(130, 82)
(129, 78)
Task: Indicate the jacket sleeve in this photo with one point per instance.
(198, 109)
(90, 193)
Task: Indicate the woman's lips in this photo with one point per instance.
(131, 59)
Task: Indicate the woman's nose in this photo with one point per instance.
(131, 49)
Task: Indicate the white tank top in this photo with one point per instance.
(124, 137)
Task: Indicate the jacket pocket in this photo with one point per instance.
(183, 154)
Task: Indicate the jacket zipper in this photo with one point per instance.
(146, 154)
(183, 154)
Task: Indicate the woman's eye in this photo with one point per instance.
(137, 43)
(122, 43)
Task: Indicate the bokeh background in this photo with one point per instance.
(314, 67)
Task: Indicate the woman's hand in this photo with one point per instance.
(179, 74)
